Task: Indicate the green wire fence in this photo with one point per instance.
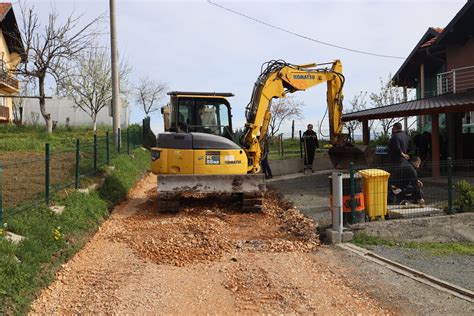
(31, 178)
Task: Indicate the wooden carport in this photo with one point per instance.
(447, 103)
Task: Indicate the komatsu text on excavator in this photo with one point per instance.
(199, 152)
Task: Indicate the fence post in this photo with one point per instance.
(46, 174)
(282, 145)
(143, 131)
(1, 197)
(119, 140)
(128, 142)
(107, 154)
(78, 148)
(292, 129)
(450, 185)
(352, 188)
(95, 152)
(301, 147)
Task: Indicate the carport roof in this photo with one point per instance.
(453, 102)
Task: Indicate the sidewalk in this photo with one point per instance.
(299, 175)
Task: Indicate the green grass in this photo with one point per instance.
(291, 149)
(40, 254)
(33, 138)
(439, 249)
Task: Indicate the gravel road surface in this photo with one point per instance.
(309, 193)
(209, 258)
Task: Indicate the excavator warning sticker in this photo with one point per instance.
(213, 159)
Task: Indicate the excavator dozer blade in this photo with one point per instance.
(250, 187)
(342, 156)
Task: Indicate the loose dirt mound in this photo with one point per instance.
(208, 227)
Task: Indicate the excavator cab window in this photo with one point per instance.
(204, 115)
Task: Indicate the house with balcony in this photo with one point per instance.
(441, 69)
(11, 52)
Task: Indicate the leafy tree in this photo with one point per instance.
(89, 84)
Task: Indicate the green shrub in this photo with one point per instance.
(382, 140)
(464, 196)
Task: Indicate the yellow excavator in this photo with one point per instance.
(199, 153)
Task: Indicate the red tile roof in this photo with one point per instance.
(4, 8)
(430, 42)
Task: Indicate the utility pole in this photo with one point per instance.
(115, 78)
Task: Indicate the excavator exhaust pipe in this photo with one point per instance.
(342, 156)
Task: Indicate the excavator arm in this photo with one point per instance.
(276, 81)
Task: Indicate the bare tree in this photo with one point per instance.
(282, 110)
(49, 47)
(148, 93)
(389, 94)
(89, 84)
(357, 103)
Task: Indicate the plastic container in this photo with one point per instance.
(375, 188)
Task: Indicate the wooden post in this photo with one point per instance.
(435, 146)
(293, 129)
(365, 132)
(422, 91)
(405, 99)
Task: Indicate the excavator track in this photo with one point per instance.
(252, 202)
(169, 202)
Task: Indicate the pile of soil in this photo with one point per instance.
(208, 227)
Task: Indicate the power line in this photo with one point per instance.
(302, 36)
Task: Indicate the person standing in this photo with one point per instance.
(398, 146)
(265, 165)
(310, 142)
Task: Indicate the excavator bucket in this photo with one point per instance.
(342, 156)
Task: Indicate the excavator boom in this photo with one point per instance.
(276, 81)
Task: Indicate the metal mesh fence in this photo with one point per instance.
(30, 178)
(399, 191)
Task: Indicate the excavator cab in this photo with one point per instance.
(199, 112)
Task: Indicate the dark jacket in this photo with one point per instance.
(404, 175)
(311, 139)
(398, 145)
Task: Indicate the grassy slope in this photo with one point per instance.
(40, 254)
(434, 248)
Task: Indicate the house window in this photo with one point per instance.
(2, 101)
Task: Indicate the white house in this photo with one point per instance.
(64, 112)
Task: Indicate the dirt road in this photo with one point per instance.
(209, 258)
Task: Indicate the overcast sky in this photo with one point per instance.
(193, 45)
